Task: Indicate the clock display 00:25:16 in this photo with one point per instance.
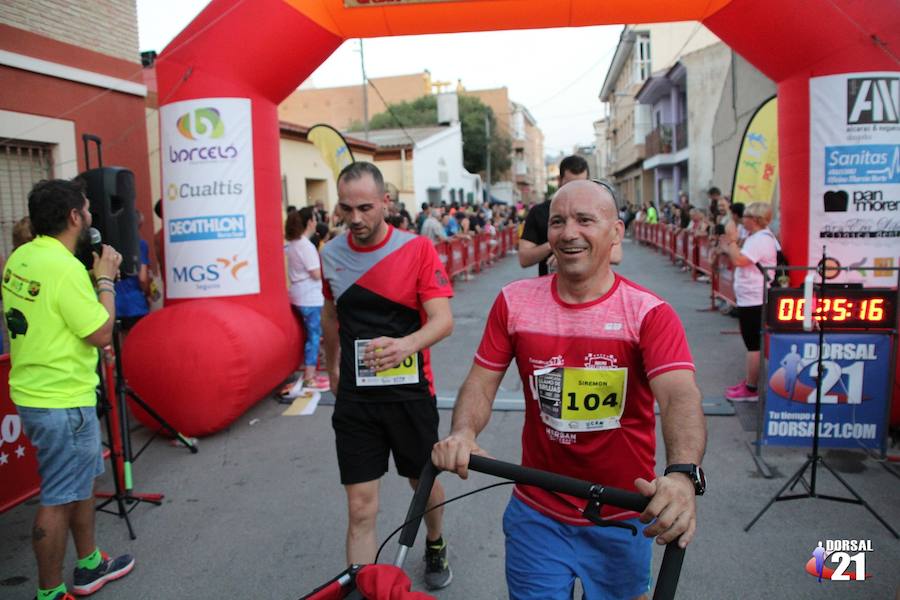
(833, 309)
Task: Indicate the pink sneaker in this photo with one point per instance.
(742, 394)
(319, 383)
(732, 388)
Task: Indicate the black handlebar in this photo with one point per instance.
(669, 571)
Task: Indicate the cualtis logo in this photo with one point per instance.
(201, 124)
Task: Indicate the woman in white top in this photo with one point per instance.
(760, 248)
(305, 275)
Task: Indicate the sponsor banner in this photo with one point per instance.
(333, 147)
(210, 209)
(757, 170)
(856, 369)
(368, 3)
(854, 153)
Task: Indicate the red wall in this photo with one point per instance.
(117, 118)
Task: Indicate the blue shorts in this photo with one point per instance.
(312, 329)
(544, 557)
(69, 451)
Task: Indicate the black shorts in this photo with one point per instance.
(367, 432)
(750, 318)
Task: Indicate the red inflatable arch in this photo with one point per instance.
(203, 362)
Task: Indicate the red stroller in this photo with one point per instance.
(388, 582)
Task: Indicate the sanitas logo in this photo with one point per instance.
(201, 124)
(864, 164)
(204, 190)
(874, 100)
(210, 275)
(215, 227)
(863, 201)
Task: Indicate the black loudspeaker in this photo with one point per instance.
(111, 192)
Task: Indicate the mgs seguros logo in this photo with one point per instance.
(873, 100)
(202, 125)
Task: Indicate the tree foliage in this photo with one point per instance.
(422, 112)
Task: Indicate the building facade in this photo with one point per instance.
(642, 51)
(61, 80)
(305, 176)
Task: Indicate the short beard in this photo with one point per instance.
(83, 243)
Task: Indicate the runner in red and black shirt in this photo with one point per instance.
(593, 350)
(386, 302)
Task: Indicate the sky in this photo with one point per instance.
(555, 73)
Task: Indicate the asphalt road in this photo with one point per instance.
(259, 513)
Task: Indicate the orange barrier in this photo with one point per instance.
(681, 246)
(467, 255)
(723, 282)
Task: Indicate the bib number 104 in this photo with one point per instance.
(591, 402)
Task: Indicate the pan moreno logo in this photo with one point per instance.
(201, 124)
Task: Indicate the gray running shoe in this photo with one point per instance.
(437, 570)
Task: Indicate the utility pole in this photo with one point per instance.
(487, 154)
(365, 90)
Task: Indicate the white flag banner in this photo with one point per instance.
(208, 196)
(854, 170)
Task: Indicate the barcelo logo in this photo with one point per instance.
(201, 124)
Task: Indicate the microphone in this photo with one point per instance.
(808, 301)
(96, 240)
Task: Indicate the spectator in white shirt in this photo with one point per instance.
(305, 275)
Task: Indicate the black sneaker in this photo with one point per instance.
(88, 581)
(437, 570)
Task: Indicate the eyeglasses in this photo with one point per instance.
(606, 185)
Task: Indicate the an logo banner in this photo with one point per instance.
(210, 211)
(855, 394)
(854, 153)
(756, 174)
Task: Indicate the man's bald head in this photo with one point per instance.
(592, 190)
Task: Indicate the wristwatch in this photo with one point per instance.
(694, 472)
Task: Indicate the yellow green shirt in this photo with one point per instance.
(50, 307)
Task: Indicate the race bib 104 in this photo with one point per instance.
(573, 399)
(404, 373)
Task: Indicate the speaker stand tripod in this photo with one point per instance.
(119, 438)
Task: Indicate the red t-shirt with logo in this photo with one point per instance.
(628, 328)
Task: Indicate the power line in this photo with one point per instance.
(392, 113)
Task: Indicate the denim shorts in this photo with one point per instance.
(544, 557)
(69, 454)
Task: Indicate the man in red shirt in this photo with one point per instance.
(387, 301)
(593, 350)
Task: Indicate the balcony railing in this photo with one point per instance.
(660, 140)
(681, 135)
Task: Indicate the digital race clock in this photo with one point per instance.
(840, 308)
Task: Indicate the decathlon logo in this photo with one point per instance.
(843, 554)
(873, 100)
(214, 227)
(201, 124)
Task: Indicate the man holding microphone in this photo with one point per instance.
(56, 322)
